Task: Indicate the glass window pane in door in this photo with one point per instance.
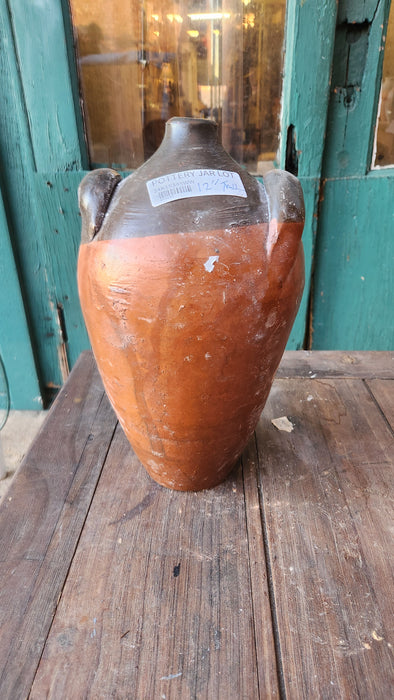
(384, 141)
(142, 62)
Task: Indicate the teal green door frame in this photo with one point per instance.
(333, 66)
(310, 34)
(43, 157)
(353, 282)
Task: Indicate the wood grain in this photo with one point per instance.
(330, 363)
(303, 86)
(383, 392)
(57, 201)
(354, 95)
(41, 519)
(267, 663)
(327, 503)
(158, 600)
(48, 95)
(277, 583)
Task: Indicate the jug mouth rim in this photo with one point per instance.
(191, 120)
(195, 120)
(191, 132)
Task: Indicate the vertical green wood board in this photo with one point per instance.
(310, 187)
(354, 266)
(15, 346)
(56, 195)
(48, 84)
(358, 10)
(304, 111)
(310, 29)
(353, 280)
(23, 216)
(355, 87)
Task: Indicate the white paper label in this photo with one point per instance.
(194, 183)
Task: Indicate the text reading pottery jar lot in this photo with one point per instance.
(194, 183)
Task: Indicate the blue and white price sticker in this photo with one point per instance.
(194, 183)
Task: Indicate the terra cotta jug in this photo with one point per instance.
(190, 275)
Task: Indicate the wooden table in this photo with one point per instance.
(276, 584)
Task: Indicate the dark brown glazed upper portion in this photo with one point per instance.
(113, 208)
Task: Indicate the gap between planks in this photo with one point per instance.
(257, 533)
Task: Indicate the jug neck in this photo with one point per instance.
(191, 133)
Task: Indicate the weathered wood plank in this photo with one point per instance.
(302, 86)
(54, 116)
(331, 363)
(355, 86)
(168, 593)
(56, 196)
(263, 625)
(383, 391)
(158, 600)
(41, 519)
(327, 501)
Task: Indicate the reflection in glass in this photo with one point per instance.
(144, 61)
(384, 154)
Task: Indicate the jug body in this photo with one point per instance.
(190, 274)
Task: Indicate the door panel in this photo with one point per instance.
(41, 31)
(16, 353)
(355, 87)
(56, 197)
(28, 240)
(42, 152)
(307, 68)
(353, 288)
(354, 274)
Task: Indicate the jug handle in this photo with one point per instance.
(285, 196)
(94, 195)
(286, 206)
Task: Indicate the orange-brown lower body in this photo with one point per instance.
(187, 331)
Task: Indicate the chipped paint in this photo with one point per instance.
(210, 263)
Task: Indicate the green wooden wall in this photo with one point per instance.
(43, 158)
(15, 347)
(353, 306)
(353, 289)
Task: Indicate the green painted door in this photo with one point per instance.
(353, 285)
(42, 157)
(330, 94)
